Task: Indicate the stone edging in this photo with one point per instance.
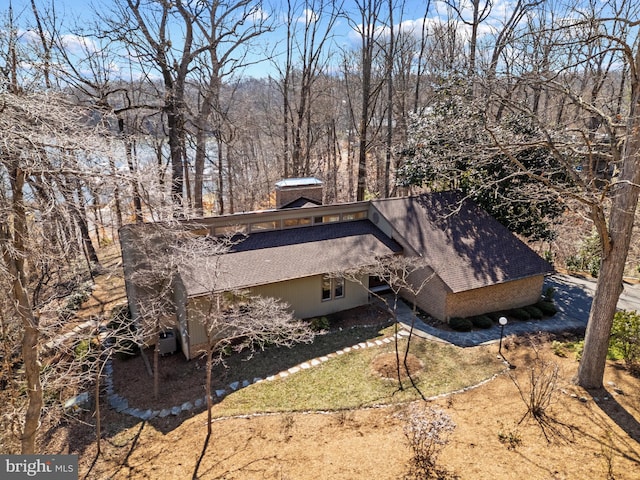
(121, 404)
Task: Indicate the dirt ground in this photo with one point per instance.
(591, 435)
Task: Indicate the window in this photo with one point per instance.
(327, 218)
(326, 288)
(354, 216)
(258, 226)
(338, 287)
(332, 288)
(295, 222)
(229, 230)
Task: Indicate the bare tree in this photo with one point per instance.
(406, 277)
(307, 56)
(28, 162)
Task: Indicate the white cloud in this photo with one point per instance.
(308, 16)
(78, 45)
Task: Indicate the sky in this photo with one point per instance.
(345, 34)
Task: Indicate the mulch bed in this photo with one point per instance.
(184, 381)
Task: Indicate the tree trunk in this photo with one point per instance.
(174, 122)
(609, 287)
(220, 193)
(81, 218)
(32, 374)
(200, 156)
(15, 260)
(207, 388)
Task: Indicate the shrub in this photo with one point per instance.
(427, 431)
(482, 321)
(538, 392)
(81, 350)
(562, 349)
(461, 324)
(547, 308)
(548, 294)
(75, 300)
(319, 324)
(625, 337)
(86, 351)
(520, 314)
(559, 349)
(510, 438)
(534, 312)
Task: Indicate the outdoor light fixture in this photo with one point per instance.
(502, 321)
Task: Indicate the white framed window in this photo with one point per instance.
(332, 288)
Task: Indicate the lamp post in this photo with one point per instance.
(502, 321)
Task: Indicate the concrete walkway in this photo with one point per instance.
(573, 296)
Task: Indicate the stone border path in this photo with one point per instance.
(121, 405)
(572, 297)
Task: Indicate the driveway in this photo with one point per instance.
(573, 297)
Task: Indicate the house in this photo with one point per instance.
(293, 252)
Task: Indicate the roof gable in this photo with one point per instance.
(301, 202)
(466, 247)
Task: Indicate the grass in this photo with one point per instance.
(347, 381)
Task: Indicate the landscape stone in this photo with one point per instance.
(220, 393)
(164, 413)
(294, 370)
(77, 402)
(198, 403)
(186, 406)
(234, 386)
(246, 383)
(176, 410)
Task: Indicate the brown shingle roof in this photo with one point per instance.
(465, 246)
(279, 255)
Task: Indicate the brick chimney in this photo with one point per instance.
(291, 189)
